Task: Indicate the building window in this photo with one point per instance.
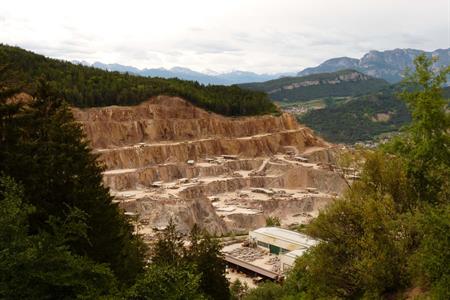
(262, 244)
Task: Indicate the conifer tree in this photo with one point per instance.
(204, 253)
(44, 149)
(41, 265)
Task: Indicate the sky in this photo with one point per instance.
(263, 36)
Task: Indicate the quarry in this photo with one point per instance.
(166, 158)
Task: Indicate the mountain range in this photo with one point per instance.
(389, 65)
(229, 78)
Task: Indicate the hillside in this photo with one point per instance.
(358, 119)
(361, 118)
(87, 86)
(338, 84)
(388, 65)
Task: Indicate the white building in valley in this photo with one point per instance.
(286, 243)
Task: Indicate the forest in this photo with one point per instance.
(354, 121)
(84, 86)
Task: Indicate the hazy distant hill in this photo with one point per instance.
(388, 65)
(337, 84)
(229, 78)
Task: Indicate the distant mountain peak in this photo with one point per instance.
(388, 64)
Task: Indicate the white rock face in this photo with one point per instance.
(168, 159)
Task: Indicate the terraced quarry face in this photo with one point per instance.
(168, 159)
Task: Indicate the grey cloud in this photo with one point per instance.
(276, 37)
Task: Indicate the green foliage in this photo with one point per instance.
(297, 92)
(238, 290)
(366, 237)
(426, 142)
(202, 256)
(169, 246)
(266, 291)
(390, 231)
(86, 86)
(273, 221)
(41, 266)
(429, 264)
(167, 282)
(205, 253)
(363, 259)
(43, 148)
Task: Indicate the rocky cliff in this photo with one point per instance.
(167, 158)
(171, 119)
(344, 83)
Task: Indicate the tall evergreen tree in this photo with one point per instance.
(41, 265)
(204, 253)
(44, 149)
(201, 255)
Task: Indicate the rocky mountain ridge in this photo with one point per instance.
(389, 65)
(335, 84)
(351, 76)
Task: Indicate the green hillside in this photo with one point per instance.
(86, 86)
(361, 118)
(337, 84)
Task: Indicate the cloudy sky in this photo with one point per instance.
(222, 35)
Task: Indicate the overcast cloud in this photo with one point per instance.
(223, 35)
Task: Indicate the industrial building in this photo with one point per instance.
(286, 243)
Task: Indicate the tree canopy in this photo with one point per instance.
(201, 254)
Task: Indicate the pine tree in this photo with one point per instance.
(204, 252)
(44, 149)
(41, 266)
